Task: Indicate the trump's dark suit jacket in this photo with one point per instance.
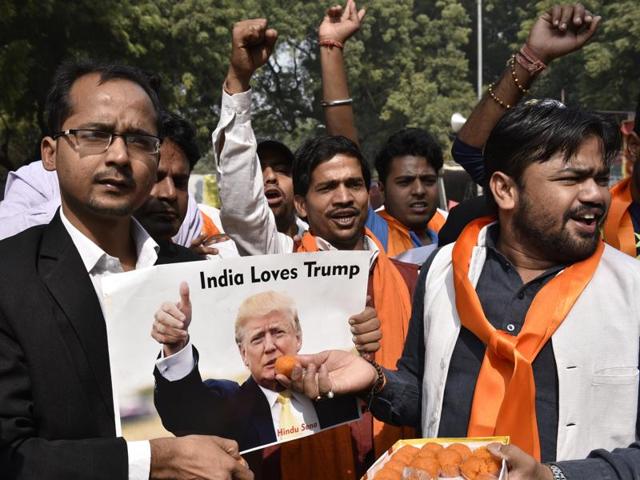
(226, 409)
(56, 407)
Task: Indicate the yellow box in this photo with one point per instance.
(471, 442)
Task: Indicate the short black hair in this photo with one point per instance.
(536, 130)
(58, 106)
(285, 155)
(408, 141)
(319, 150)
(182, 133)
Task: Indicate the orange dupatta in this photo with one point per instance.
(437, 222)
(399, 235)
(618, 227)
(393, 305)
(208, 227)
(504, 397)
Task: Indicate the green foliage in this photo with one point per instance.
(611, 78)
(432, 82)
(500, 26)
(412, 63)
(185, 44)
(34, 38)
(405, 67)
(604, 76)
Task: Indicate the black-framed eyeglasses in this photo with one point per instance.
(89, 141)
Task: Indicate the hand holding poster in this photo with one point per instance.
(223, 331)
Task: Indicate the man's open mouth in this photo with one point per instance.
(274, 195)
(420, 206)
(344, 218)
(587, 220)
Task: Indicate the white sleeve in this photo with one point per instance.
(191, 226)
(31, 197)
(177, 366)
(139, 454)
(245, 213)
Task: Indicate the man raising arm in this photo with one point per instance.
(530, 301)
(409, 162)
(556, 33)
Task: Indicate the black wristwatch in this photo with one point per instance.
(556, 471)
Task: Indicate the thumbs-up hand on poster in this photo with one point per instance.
(171, 323)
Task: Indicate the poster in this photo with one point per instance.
(245, 312)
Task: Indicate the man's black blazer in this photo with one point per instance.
(226, 409)
(56, 406)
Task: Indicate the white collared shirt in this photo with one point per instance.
(100, 264)
(302, 409)
(245, 212)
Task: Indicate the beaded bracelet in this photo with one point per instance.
(512, 63)
(506, 106)
(378, 385)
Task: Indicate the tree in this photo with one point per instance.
(612, 64)
(185, 44)
(603, 76)
(500, 26)
(35, 37)
(405, 67)
(434, 83)
(409, 64)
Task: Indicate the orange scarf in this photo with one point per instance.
(208, 227)
(437, 222)
(399, 239)
(393, 305)
(618, 227)
(505, 393)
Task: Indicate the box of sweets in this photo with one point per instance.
(438, 458)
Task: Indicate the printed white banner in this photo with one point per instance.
(252, 298)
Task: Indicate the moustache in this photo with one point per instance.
(597, 210)
(343, 212)
(116, 176)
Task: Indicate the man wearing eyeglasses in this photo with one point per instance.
(32, 194)
(56, 401)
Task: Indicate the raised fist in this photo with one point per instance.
(340, 23)
(561, 30)
(251, 46)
